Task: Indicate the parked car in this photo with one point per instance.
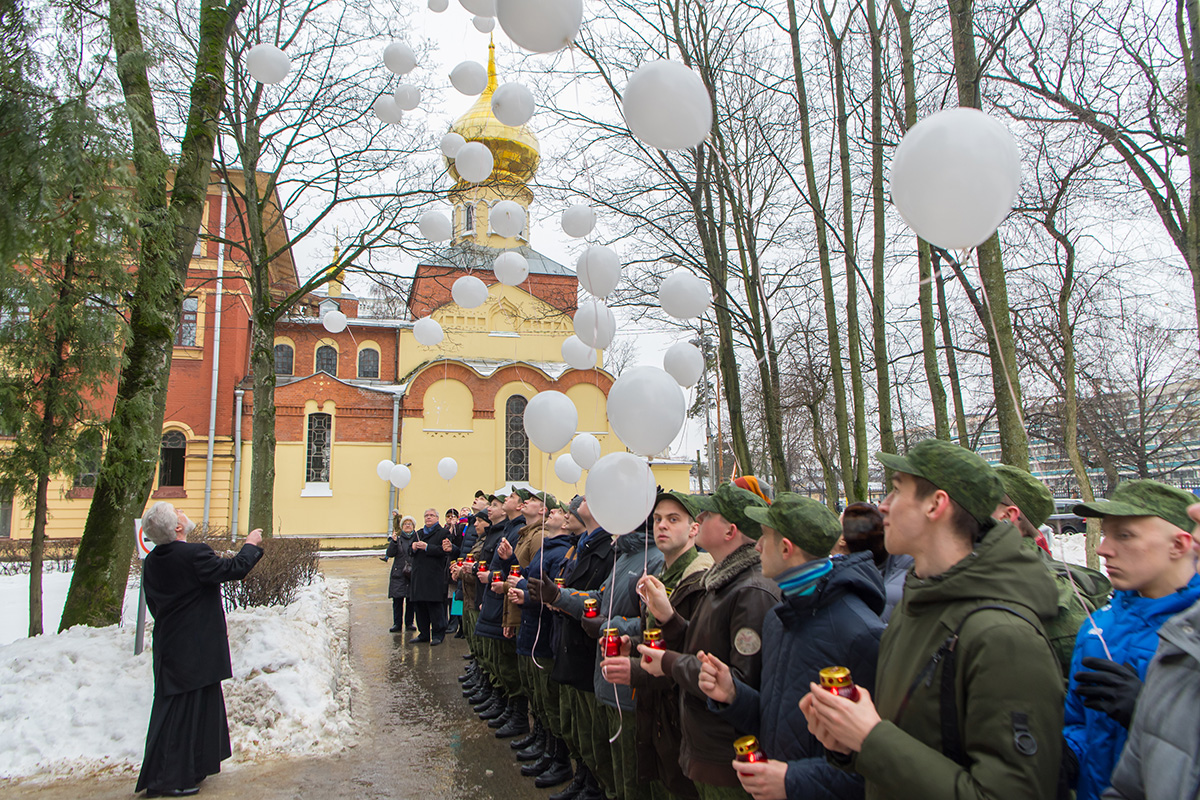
(1064, 521)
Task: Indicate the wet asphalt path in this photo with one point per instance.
(417, 737)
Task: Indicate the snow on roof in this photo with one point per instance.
(475, 256)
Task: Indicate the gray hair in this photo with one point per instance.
(158, 523)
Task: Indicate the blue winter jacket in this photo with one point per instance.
(552, 556)
(491, 608)
(1130, 626)
(837, 625)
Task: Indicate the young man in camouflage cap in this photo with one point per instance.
(1148, 552)
(829, 616)
(727, 622)
(952, 716)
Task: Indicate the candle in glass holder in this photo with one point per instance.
(836, 680)
(591, 608)
(747, 750)
(612, 643)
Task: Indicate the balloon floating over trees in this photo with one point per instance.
(585, 450)
(646, 409)
(438, 6)
(620, 492)
(550, 421)
(435, 226)
(447, 468)
(400, 476)
(566, 469)
(386, 110)
(469, 77)
(399, 58)
(955, 176)
(512, 104)
(578, 354)
(384, 469)
(451, 143)
(540, 26)
(507, 218)
(578, 220)
(268, 64)
(484, 24)
(595, 324)
(407, 97)
(684, 362)
(667, 106)
(683, 295)
(598, 270)
(469, 292)
(474, 162)
(511, 268)
(334, 321)
(428, 332)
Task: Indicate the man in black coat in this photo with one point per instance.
(188, 736)
(427, 586)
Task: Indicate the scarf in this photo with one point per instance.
(802, 581)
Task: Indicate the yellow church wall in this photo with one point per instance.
(358, 502)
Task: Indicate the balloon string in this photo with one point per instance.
(612, 582)
(1086, 608)
(542, 576)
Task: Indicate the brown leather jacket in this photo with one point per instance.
(529, 541)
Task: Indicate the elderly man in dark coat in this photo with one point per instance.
(188, 736)
(432, 550)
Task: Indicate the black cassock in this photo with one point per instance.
(188, 736)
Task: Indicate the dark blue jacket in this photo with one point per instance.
(837, 625)
(551, 557)
(468, 541)
(491, 608)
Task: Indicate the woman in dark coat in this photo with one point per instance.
(404, 533)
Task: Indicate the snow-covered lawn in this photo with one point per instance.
(14, 604)
(79, 702)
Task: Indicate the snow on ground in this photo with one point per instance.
(1070, 548)
(14, 599)
(78, 702)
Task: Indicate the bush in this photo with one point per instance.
(57, 556)
(286, 565)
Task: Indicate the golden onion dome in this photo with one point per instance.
(515, 150)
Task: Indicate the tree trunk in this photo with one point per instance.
(828, 474)
(1188, 31)
(262, 461)
(960, 418)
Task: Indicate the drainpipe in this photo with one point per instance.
(237, 461)
(216, 361)
(395, 440)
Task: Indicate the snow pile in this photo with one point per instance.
(79, 702)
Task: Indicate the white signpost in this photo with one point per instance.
(143, 549)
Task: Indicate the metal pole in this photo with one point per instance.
(395, 440)
(216, 357)
(140, 634)
(238, 394)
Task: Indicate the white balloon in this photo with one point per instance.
(566, 469)
(684, 362)
(407, 96)
(399, 58)
(507, 218)
(620, 492)
(469, 292)
(646, 409)
(447, 468)
(469, 77)
(386, 109)
(451, 143)
(438, 6)
(400, 476)
(540, 26)
(512, 104)
(578, 354)
(334, 321)
(550, 421)
(955, 176)
(435, 226)
(484, 24)
(474, 162)
(428, 332)
(268, 64)
(585, 450)
(511, 268)
(667, 106)
(384, 469)
(578, 220)
(482, 8)
(595, 324)
(598, 270)
(683, 295)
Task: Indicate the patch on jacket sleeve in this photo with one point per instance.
(747, 642)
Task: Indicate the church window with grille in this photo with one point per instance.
(171, 459)
(185, 336)
(368, 363)
(283, 359)
(327, 358)
(320, 447)
(516, 442)
(469, 218)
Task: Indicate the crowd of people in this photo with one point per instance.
(740, 645)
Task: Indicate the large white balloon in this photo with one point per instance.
(578, 354)
(334, 321)
(578, 220)
(268, 64)
(667, 106)
(438, 6)
(566, 469)
(384, 469)
(451, 143)
(683, 295)
(540, 26)
(447, 468)
(512, 104)
(435, 226)
(507, 218)
(469, 292)
(511, 268)
(428, 332)
(595, 323)
(955, 176)
(585, 450)
(484, 24)
(474, 162)
(684, 362)
(482, 8)
(399, 58)
(598, 270)
(386, 109)
(469, 77)
(400, 476)
(620, 492)
(407, 96)
(550, 421)
(646, 409)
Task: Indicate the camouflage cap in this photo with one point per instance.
(481, 493)
(809, 525)
(546, 498)
(965, 476)
(683, 500)
(1144, 498)
(731, 503)
(524, 494)
(1026, 493)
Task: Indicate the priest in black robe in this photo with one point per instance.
(188, 736)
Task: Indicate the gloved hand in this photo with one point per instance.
(593, 626)
(540, 591)
(1110, 687)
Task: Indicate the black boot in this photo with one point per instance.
(489, 696)
(529, 738)
(538, 750)
(592, 789)
(535, 768)
(482, 695)
(496, 709)
(506, 713)
(560, 772)
(517, 723)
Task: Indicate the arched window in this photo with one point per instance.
(327, 358)
(171, 459)
(320, 447)
(516, 442)
(185, 334)
(283, 359)
(368, 363)
(468, 218)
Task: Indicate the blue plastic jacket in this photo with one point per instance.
(491, 608)
(552, 556)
